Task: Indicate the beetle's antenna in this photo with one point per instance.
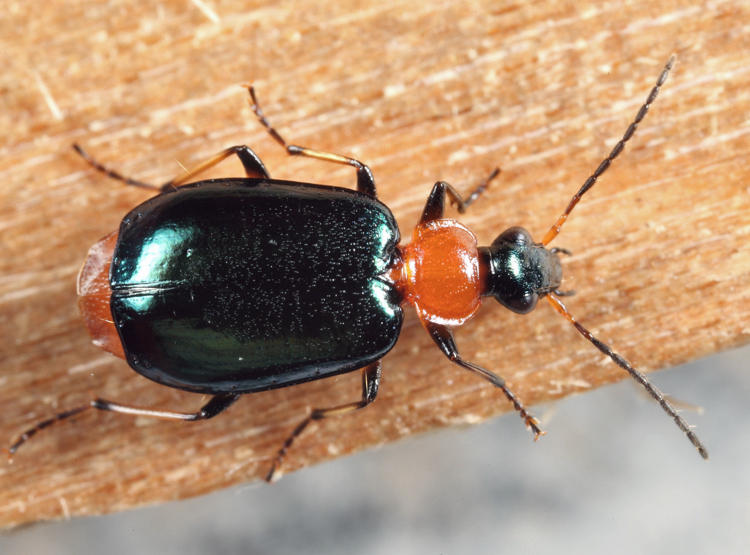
(555, 229)
(635, 374)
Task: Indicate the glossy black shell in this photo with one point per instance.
(241, 285)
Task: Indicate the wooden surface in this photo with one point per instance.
(421, 93)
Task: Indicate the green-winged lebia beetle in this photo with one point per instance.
(232, 286)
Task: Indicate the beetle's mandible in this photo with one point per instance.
(234, 286)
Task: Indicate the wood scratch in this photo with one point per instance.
(14, 296)
(65, 509)
(87, 366)
(51, 104)
(164, 114)
(207, 10)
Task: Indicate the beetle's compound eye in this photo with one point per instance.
(517, 236)
(521, 303)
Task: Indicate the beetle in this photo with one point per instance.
(239, 285)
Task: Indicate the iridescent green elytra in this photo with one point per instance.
(244, 284)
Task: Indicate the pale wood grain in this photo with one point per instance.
(420, 92)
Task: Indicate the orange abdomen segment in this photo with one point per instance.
(441, 273)
(94, 293)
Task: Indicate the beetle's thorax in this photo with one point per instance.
(440, 272)
(520, 271)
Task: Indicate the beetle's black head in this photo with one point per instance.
(520, 270)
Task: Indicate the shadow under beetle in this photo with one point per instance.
(232, 286)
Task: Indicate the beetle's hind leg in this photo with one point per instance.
(370, 385)
(94, 163)
(251, 162)
(365, 179)
(215, 405)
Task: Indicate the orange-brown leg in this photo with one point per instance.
(252, 163)
(216, 405)
(365, 179)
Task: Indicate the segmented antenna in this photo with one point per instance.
(553, 297)
(555, 229)
(635, 374)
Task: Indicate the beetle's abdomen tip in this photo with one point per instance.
(94, 293)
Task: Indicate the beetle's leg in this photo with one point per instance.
(370, 384)
(434, 208)
(253, 167)
(443, 336)
(365, 180)
(251, 162)
(481, 188)
(217, 404)
(110, 172)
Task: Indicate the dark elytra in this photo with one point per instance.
(242, 285)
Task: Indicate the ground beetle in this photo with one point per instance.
(231, 286)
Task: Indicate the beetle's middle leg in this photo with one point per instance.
(365, 180)
(370, 385)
